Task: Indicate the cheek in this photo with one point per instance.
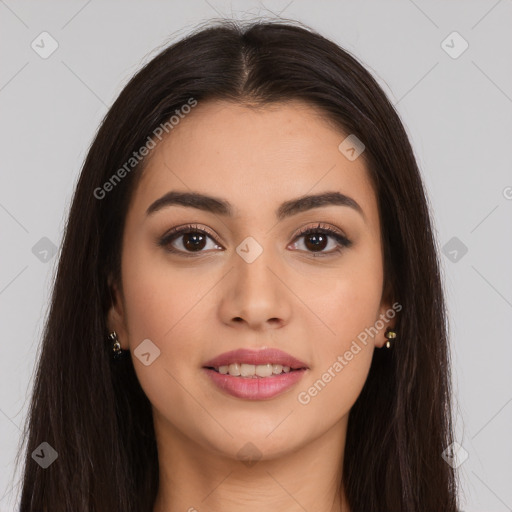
(334, 387)
(166, 305)
(342, 355)
(347, 308)
(162, 306)
(158, 296)
(349, 302)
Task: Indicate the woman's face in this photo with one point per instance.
(252, 282)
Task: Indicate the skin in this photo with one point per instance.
(195, 308)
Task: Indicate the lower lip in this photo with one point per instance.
(259, 388)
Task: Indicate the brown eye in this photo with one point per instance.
(316, 240)
(187, 240)
(194, 241)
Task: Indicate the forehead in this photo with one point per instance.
(254, 157)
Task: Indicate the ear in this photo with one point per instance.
(116, 320)
(387, 316)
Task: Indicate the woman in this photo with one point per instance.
(248, 309)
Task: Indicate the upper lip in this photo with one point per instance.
(256, 357)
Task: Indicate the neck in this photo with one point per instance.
(195, 478)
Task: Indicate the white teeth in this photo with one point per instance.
(264, 370)
(247, 370)
(277, 369)
(253, 371)
(234, 369)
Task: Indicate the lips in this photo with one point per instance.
(258, 357)
(256, 388)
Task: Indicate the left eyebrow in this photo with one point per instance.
(222, 207)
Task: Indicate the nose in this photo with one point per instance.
(255, 295)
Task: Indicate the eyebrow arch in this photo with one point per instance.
(222, 207)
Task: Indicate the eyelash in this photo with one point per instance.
(343, 242)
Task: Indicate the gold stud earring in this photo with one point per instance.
(390, 334)
(118, 352)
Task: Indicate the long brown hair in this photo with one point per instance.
(92, 410)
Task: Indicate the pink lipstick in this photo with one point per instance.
(255, 375)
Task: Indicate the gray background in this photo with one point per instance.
(457, 112)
